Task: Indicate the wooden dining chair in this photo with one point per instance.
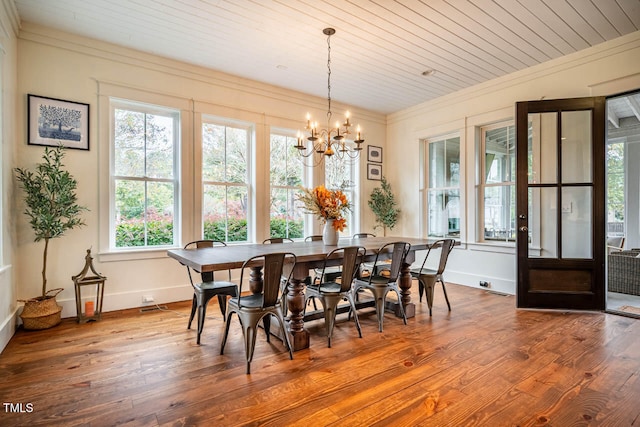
(208, 288)
(427, 277)
(381, 284)
(252, 308)
(331, 292)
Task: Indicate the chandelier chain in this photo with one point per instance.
(329, 77)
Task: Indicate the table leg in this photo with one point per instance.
(404, 283)
(255, 280)
(295, 305)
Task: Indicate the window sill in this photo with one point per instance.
(497, 247)
(134, 254)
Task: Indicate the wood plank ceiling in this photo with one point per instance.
(379, 52)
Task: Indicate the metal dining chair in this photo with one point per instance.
(362, 235)
(381, 284)
(331, 292)
(208, 288)
(252, 308)
(276, 240)
(427, 278)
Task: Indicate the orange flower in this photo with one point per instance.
(326, 204)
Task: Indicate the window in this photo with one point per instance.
(144, 176)
(615, 187)
(225, 180)
(497, 191)
(342, 174)
(286, 172)
(443, 195)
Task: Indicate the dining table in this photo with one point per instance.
(309, 255)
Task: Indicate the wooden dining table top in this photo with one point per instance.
(233, 256)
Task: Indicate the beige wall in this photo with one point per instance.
(605, 69)
(8, 61)
(64, 66)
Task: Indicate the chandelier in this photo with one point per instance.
(330, 140)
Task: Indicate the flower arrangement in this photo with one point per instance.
(326, 204)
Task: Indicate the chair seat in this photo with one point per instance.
(375, 281)
(218, 286)
(325, 288)
(423, 272)
(248, 302)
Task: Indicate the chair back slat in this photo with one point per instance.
(398, 256)
(273, 265)
(447, 246)
(351, 258)
(206, 276)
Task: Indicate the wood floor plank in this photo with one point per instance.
(483, 363)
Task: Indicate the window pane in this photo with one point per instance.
(237, 155)
(543, 216)
(500, 213)
(577, 224)
(129, 213)
(543, 137)
(129, 138)
(225, 213)
(159, 147)
(159, 216)
(213, 152)
(436, 164)
(500, 155)
(615, 189)
(444, 213)
(576, 146)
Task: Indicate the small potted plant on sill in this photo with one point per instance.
(384, 206)
(52, 208)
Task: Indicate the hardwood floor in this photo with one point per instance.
(484, 363)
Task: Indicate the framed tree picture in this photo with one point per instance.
(56, 122)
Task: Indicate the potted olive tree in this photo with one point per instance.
(52, 208)
(384, 206)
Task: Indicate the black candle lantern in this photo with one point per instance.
(93, 285)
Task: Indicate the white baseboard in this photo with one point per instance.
(132, 299)
(8, 328)
(504, 286)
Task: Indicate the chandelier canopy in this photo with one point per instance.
(330, 140)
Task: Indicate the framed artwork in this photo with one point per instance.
(55, 121)
(374, 154)
(374, 172)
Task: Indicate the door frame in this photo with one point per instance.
(595, 298)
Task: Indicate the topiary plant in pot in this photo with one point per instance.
(384, 206)
(52, 208)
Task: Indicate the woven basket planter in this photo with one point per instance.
(42, 313)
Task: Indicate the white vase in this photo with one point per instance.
(329, 234)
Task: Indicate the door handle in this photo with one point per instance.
(524, 229)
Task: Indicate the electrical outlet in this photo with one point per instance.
(485, 284)
(147, 298)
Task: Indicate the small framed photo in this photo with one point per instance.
(374, 172)
(374, 154)
(55, 121)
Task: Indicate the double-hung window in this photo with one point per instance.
(286, 172)
(145, 175)
(341, 174)
(225, 180)
(497, 191)
(443, 187)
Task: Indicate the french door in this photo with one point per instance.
(560, 204)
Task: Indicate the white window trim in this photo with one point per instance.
(424, 183)
(107, 91)
(481, 184)
(249, 185)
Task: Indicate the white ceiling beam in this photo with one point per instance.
(613, 119)
(634, 105)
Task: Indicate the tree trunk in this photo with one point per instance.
(44, 267)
